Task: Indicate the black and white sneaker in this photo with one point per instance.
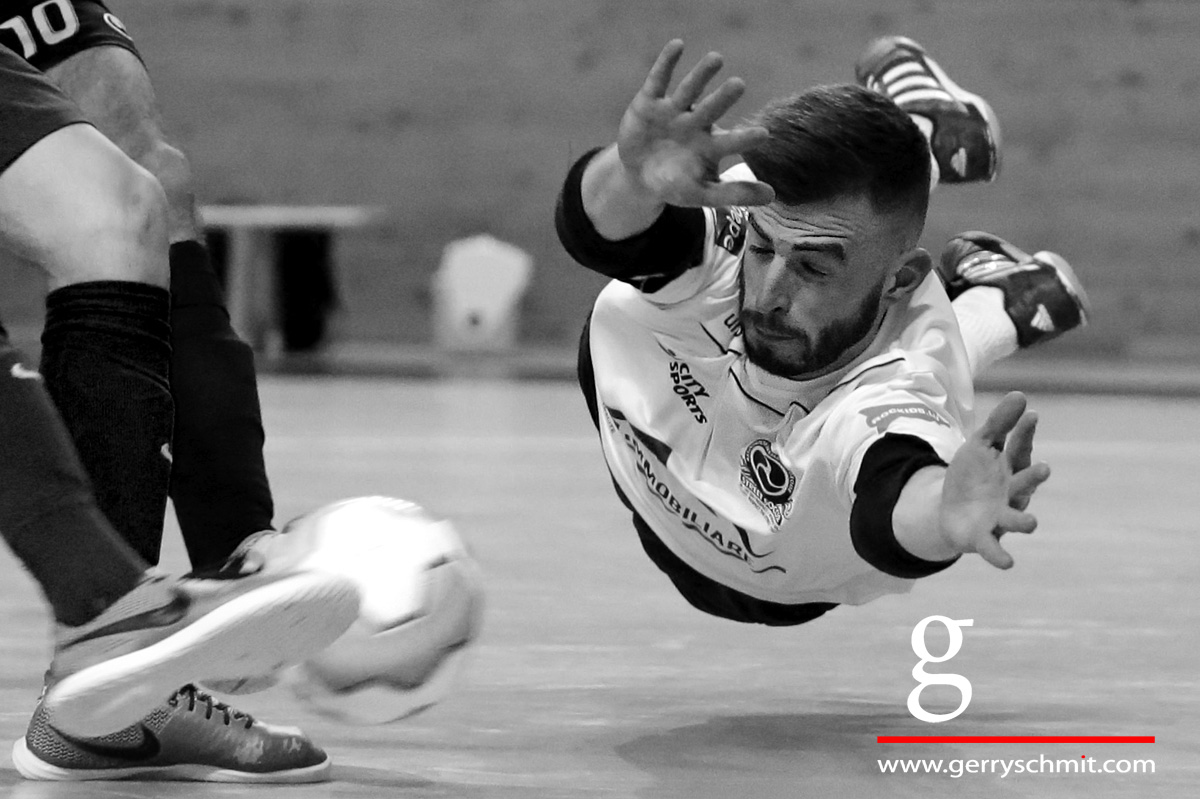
(962, 129)
(190, 736)
(1042, 293)
(164, 633)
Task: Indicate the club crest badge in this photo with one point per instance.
(767, 483)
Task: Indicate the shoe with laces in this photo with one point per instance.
(191, 736)
(110, 672)
(963, 132)
(1042, 294)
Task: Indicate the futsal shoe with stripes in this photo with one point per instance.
(962, 129)
(115, 669)
(1042, 294)
(191, 736)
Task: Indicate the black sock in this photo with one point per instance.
(219, 483)
(47, 514)
(106, 357)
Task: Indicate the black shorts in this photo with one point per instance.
(700, 591)
(48, 32)
(31, 108)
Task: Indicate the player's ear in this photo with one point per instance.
(910, 269)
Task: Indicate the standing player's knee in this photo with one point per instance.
(82, 210)
(148, 214)
(137, 225)
(121, 222)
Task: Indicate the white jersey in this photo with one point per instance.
(747, 477)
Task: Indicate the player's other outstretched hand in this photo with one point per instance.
(990, 481)
(670, 143)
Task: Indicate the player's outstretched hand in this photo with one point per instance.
(990, 481)
(670, 143)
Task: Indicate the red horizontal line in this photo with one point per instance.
(1015, 739)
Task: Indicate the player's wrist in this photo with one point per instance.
(919, 519)
(617, 201)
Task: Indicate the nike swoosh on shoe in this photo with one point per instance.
(162, 616)
(147, 748)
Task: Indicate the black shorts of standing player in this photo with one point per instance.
(48, 32)
(702, 593)
(32, 109)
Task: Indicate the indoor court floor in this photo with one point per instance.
(592, 678)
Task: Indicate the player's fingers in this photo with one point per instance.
(659, 77)
(1026, 481)
(1025, 484)
(693, 83)
(1001, 420)
(1016, 521)
(738, 192)
(738, 140)
(1020, 442)
(713, 107)
(990, 550)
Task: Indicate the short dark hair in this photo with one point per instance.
(831, 141)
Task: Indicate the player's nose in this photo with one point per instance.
(777, 292)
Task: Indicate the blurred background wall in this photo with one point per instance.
(461, 116)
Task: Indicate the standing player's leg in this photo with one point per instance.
(219, 483)
(46, 515)
(124, 637)
(1004, 299)
(95, 223)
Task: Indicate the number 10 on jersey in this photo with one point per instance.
(49, 31)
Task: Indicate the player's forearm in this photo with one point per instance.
(916, 518)
(615, 201)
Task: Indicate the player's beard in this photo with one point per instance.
(801, 355)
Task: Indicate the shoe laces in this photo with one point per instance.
(195, 697)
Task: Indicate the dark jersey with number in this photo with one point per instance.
(48, 32)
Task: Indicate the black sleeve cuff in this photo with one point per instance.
(649, 260)
(886, 468)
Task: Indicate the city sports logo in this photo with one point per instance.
(767, 483)
(925, 679)
(688, 389)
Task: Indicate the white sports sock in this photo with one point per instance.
(987, 332)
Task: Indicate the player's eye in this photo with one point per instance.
(805, 266)
(809, 267)
(760, 251)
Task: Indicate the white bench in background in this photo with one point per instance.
(250, 267)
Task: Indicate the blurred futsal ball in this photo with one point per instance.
(421, 608)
